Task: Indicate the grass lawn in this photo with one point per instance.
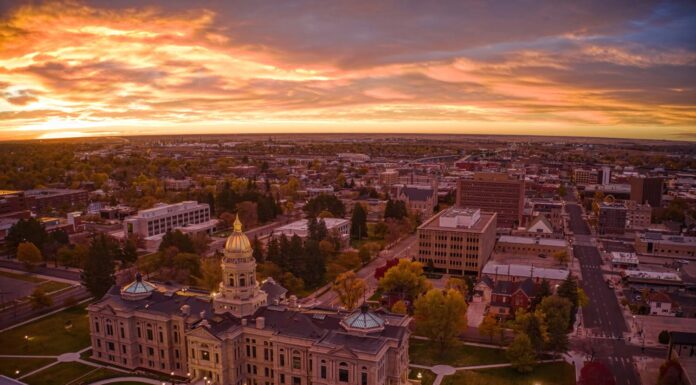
(48, 335)
(21, 276)
(428, 376)
(51, 286)
(424, 352)
(100, 374)
(559, 373)
(8, 366)
(61, 374)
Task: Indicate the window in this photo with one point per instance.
(205, 355)
(343, 372)
(296, 361)
(111, 346)
(109, 328)
(363, 376)
(296, 381)
(96, 327)
(322, 369)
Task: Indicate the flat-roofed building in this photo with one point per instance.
(517, 272)
(531, 246)
(675, 246)
(638, 216)
(624, 260)
(497, 193)
(12, 202)
(612, 218)
(583, 176)
(647, 189)
(457, 240)
(46, 199)
(301, 229)
(166, 217)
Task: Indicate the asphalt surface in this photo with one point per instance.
(602, 319)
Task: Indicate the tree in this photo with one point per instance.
(130, 252)
(441, 316)
(358, 222)
(521, 353)
(177, 239)
(569, 289)
(457, 284)
(273, 252)
(315, 265)
(39, 299)
(98, 272)
(533, 326)
(596, 373)
(29, 254)
(248, 213)
(671, 373)
(399, 307)
(364, 254)
(200, 243)
(663, 337)
(26, 230)
(210, 274)
(350, 289)
(328, 202)
(257, 250)
(561, 257)
(556, 312)
(406, 278)
(489, 327)
(543, 291)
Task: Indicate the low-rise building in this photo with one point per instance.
(457, 241)
(517, 272)
(187, 216)
(638, 216)
(507, 297)
(301, 228)
(663, 245)
(46, 199)
(531, 246)
(661, 304)
(624, 260)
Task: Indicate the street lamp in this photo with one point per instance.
(420, 376)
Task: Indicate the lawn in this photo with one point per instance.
(21, 276)
(428, 376)
(61, 374)
(51, 286)
(8, 366)
(49, 336)
(544, 374)
(423, 352)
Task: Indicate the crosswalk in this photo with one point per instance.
(620, 360)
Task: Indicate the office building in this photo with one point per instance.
(494, 193)
(612, 218)
(47, 199)
(244, 335)
(647, 189)
(457, 241)
(167, 217)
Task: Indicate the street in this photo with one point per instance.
(603, 319)
(404, 248)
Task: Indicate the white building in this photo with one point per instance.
(187, 216)
(623, 260)
(300, 228)
(660, 304)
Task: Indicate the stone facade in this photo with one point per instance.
(240, 335)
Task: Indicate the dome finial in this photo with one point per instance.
(237, 224)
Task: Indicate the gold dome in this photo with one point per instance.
(238, 242)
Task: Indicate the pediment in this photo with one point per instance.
(344, 350)
(202, 332)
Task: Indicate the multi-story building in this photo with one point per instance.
(388, 178)
(301, 228)
(457, 241)
(166, 217)
(243, 336)
(638, 216)
(494, 193)
(584, 177)
(612, 218)
(12, 202)
(530, 246)
(647, 189)
(674, 246)
(46, 199)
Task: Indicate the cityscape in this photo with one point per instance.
(347, 193)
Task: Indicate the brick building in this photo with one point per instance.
(494, 193)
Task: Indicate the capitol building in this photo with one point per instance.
(246, 333)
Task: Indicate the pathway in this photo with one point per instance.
(441, 371)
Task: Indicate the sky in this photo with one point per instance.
(620, 68)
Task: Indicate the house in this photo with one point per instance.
(507, 297)
(661, 304)
(541, 225)
(483, 290)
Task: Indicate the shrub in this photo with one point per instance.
(663, 337)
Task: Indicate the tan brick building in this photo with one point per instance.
(494, 193)
(674, 246)
(457, 241)
(242, 336)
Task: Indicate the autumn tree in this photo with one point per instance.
(29, 255)
(596, 373)
(457, 284)
(399, 307)
(406, 278)
(561, 257)
(489, 327)
(533, 326)
(26, 230)
(543, 291)
(350, 289)
(177, 239)
(521, 353)
(39, 299)
(556, 312)
(210, 274)
(441, 316)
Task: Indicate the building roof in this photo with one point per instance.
(682, 338)
(273, 290)
(493, 269)
(363, 319)
(532, 241)
(238, 242)
(417, 193)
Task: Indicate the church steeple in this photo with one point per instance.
(239, 291)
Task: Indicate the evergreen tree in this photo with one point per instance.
(258, 250)
(210, 200)
(98, 272)
(569, 290)
(273, 252)
(177, 239)
(26, 230)
(312, 227)
(284, 260)
(315, 264)
(296, 257)
(358, 222)
(543, 292)
(322, 231)
(130, 252)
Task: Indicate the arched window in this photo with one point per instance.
(363, 376)
(343, 372)
(231, 280)
(242, 280)
(296, 361)
(322, 369)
